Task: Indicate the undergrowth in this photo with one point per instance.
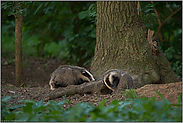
(133, 109)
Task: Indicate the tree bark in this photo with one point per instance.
(122, 44)
(18, 47)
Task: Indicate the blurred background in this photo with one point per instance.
(67, 31)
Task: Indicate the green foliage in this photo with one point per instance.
(80, 38)
(179, 100)
(65, 36)
(171, 30)
(67, 30)
(131, 93)
(8, 39)
(133, 110)
(90, 13)
(172, 56)
(11, 6)
(6, 111)
(57, 30)
(148, 14)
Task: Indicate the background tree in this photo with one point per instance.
(54, 30)
(61, 30)
(122, 44)
(15, 9)
(18, 45)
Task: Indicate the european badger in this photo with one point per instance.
(115, 76)
(69, 75)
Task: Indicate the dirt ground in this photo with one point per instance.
(37, 75)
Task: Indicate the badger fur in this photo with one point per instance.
(115, 76)
(69, 75)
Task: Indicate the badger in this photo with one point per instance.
(66, 75)
(114, 77)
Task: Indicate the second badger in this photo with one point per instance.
(116, 77)
(69, 75)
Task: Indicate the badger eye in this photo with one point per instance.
(86, 74)
(113, 77)
(83, 72)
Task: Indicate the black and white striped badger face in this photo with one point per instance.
(115, 76)
(111, 79)
(69, 75)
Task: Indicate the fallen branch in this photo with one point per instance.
(91, 87)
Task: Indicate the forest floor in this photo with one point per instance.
(37, 76)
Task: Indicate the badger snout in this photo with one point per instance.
(53, 84)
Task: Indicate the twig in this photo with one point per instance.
(172, 14)
(5, 14)
(139, 8)
(159, 21)
(157, 14)
(28, 6)
(169, 6)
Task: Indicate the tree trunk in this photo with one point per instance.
(122, 44)
(18, 47)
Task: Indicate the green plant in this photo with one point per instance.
(68, 36)
(7, 111)
(7, 87)
(131, 93)
(179, 100)
(133, 110)
(174, 59)
(80, 40)
(67, 101)
(8, 40)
